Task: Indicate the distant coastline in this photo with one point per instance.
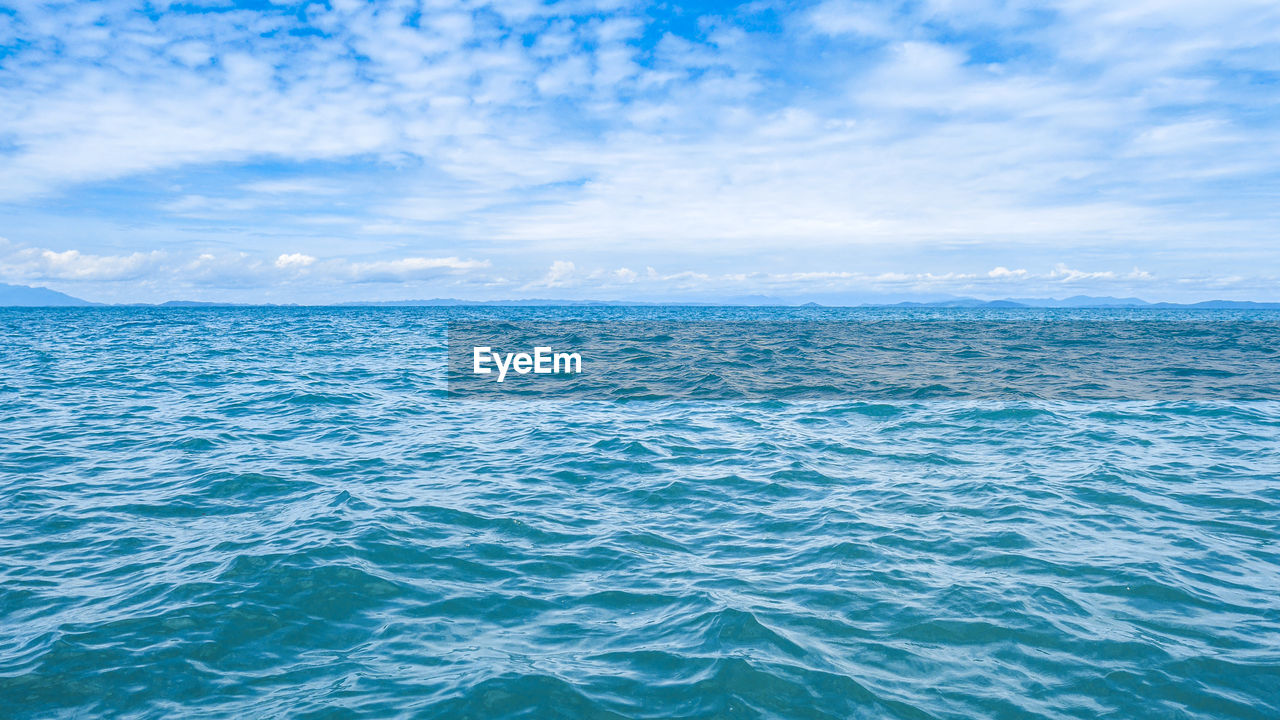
(26, 296)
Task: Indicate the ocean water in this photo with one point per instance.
(283, 512)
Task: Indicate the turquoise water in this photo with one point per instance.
(281, 513)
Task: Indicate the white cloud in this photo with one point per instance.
(559, 274)
(38, 264)
(219, 270)
(1004, 272)
(841, 17)
(404, 269)
(294, 261)
(1065, 274)
(296, 186)
(201, 206)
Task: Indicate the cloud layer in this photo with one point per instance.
(297, 277)
(521, 143)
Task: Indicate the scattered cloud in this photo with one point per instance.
(396, 143)
(403, 269)
(224, 275)
(297, 186)
(558, 275)
(1004, 272)
(840, 17)
(37, 264)
(294, 261)
(219, 270)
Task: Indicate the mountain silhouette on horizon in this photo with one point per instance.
(25, 296)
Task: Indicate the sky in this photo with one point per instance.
(328, 152)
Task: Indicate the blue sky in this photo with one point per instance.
(337, 151)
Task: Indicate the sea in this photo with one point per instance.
(291, 512)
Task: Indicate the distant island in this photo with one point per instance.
(25, 296)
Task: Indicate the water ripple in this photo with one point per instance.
(279, 512)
